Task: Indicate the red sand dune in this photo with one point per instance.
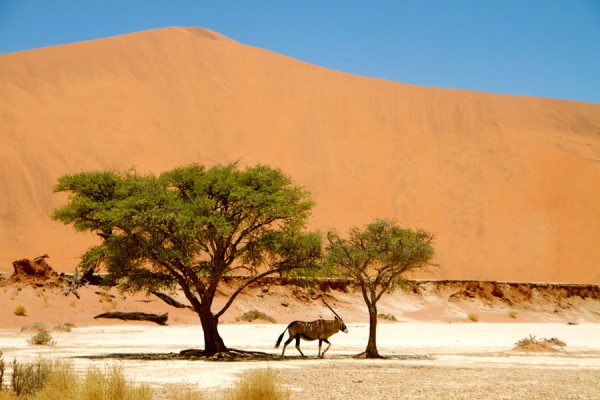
(510, 185)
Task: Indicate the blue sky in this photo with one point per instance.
(546, 48)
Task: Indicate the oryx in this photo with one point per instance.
(320, 329)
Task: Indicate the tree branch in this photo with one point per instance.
(242, 287)
(363, 289)
(388, 283)
(183, 283)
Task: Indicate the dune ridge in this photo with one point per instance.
(509, 185)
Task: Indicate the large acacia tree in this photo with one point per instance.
(190, 227)
(377, 257)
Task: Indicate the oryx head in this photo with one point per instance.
(343, 327)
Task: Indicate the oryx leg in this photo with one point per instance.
(319, 353)
(285, 344)
(328, 346)
(298, 345)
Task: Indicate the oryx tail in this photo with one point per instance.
(281, 337)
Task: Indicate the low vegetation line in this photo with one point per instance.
(58, 380)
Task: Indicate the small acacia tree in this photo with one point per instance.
(377, 257)
(190, 227)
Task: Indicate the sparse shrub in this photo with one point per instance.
(38, 325)
(105, 297)
(42, 337)
(20, 310)
(556, 342)
(253, 315)
(29, 378)
(6, 395)
(61, 384)
(258, 384)
(2, 366)
(512, 314)
(473, 317)
(65, 327)
(35, 326)
(111, 385)
(109, 304)
(533, 341)
(389, 317)
(44, 380)
(185, 394)
(527, 341)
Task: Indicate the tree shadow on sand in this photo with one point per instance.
(238, 355)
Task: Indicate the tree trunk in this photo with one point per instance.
(371, 351)
(213, 343)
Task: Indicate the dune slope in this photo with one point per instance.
(510, 185)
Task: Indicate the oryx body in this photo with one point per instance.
(320, 330)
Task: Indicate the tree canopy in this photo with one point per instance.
(377, 257)
(190, 227)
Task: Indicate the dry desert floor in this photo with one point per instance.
(423, 360)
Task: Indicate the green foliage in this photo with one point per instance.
(191, 226)
(379, 255)
(157, 229)
(254, 315)
(258, 384)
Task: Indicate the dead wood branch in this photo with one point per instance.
(170, 301)
(136, 316)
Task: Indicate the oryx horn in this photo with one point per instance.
(328, 306)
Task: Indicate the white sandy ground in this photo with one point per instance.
(414, 345)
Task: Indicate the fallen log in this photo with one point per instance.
(170, 301)
(160, 319)
(92, 279)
